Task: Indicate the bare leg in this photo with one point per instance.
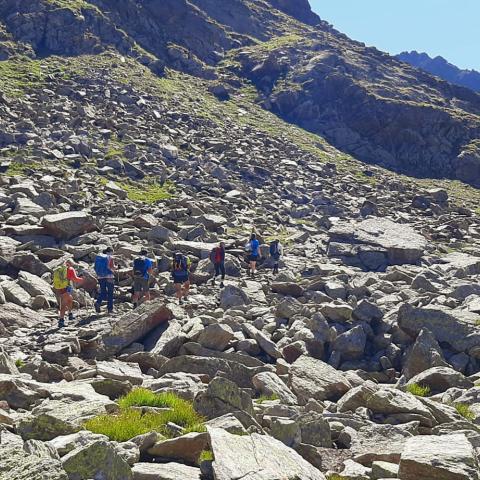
(186, 288)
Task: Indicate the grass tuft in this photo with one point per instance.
(19, 363)
(149, 192)
(267, 398)
(131, 422)
(418, 390)
(465, 411)
(206, 456)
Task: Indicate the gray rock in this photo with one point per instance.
(96, 460)
(446, 457)
(268, 383)
(257, 457)
(216, 336)
(68, 225)
(440, 379)
(165, 471)
(312, 378)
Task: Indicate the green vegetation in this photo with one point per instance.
(465, 411)
(267, 398)
(418, 390)
(148, 192)
(17, 169)
(19, 75)
(114, 152)
(335, 476)
(19, 363)
(130, 422)
(206, 456)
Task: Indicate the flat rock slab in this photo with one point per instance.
(400, 242)
(447, 457)
(165, 471)
(257, 457)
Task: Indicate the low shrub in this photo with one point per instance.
(206, 456)
(267, 398)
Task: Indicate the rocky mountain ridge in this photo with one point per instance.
(358, 361)
(361, 100)
(442, 68)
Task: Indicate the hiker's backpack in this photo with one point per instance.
(274, 249)
(101, 266)
(140, 267)
(180, 264)
(60, 280)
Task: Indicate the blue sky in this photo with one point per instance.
(450, 28)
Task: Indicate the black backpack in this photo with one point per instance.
(274, 249)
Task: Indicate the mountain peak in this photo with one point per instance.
(442, 68)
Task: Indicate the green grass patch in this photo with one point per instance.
(465, 411)
(206, 456)
(17, 169)
(130, 422)
(335, 476)
(148, 192)
(267, 398)
(114, 152)
(19, 75)
(19, 363)
(418, 390)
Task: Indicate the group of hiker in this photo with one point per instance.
(65, 276)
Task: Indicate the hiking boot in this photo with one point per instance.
(110, 312)
(61, 323)
(70, 316)
(213, 282)
(180, 301)
(222, 285)
(97, 308)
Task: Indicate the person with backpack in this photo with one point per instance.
(253, 247)
(64, 277)
(217, 257)
(181, 275)
(276, 252)
(142, 272)
(105, 271)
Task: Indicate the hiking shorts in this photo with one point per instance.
(63, 291)
(141, 285)
(180, 277)
(253, 258)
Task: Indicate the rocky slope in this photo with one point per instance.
(363, 101)
(442, 68)
(358, 361)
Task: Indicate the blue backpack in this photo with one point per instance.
(140, 267)
(101, 266)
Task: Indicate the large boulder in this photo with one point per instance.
(133, 326)
(18, 464)
(13, 316)
(68, 225)
(388, 402)
(424, 353)
(58, 417)
(257, 457)
(457, 328)
(96, 460)
(312, 378)
(440, 379)
(186, 448)
(399, 242)
(447, 457)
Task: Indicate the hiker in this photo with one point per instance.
(181, 275)
(253, 247)
(142, 272)
(64, 277)
(105, 270)
(276, 252)
(217, 257)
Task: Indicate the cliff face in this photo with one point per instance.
(442, 68)
(363, 101)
